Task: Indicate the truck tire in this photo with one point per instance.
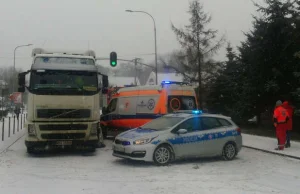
(30, 150)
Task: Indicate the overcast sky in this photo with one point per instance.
(104, 26)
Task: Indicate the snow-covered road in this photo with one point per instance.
(101, 173)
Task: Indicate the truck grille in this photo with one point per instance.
(63, 127)
(63, 113)
(63, 136)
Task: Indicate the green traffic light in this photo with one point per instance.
(113, 63)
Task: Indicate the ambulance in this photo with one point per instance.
(131, 107)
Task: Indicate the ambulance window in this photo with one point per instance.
(181, 103)
(112, 105)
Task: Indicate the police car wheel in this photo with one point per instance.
(162, 155)
(229, 151)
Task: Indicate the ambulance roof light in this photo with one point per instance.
(174, 82)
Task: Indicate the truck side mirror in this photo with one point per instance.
(21, 81)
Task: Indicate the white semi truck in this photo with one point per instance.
(64, 91)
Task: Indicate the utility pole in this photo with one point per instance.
(135, 68)
(135, 64)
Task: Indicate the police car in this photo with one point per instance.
(182, 134)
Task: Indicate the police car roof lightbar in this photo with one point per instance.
(196, 112)
(174, 82)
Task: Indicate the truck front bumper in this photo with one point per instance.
(60, 143)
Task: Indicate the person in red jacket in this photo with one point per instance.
(290, 111)
(280, 119)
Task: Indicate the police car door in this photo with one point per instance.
(213, 133)
(186, 145)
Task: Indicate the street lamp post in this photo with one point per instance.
(15, 63)
(155, 42)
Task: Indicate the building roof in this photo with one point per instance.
(121, 81)
(3, 83)
(164, 77)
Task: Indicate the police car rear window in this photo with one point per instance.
(224, 122)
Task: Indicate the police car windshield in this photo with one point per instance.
(162, 123)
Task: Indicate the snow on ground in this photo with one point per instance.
(68, 173)
(269, 144)
(19, 132)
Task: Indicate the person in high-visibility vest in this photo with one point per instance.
(280, 119)
(290, 111)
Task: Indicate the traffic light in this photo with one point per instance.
(113, 59)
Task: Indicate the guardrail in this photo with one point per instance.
(11, 125)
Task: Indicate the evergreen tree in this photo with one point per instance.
(198, 43)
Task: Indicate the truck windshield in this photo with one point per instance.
(63, 60)
(54, 82)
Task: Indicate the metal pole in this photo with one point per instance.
(14, 125)
(155, 42)
(156, 68)
(8, 126)
(3, 129)
(14, 69)
(2, 109)
(18, 123)
(135, 64)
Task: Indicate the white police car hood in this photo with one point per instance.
(140, 133)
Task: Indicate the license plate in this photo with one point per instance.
(63, 143)
(119, 149)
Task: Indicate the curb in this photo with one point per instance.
(270, 152)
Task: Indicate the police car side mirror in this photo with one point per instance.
(182, 131)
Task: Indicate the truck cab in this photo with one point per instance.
(64, 91)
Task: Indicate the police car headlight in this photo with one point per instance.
(143, 141)
(31, 130)
(94, 129)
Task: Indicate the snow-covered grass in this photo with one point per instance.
(251, 172)
(11, 130)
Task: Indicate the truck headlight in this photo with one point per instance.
(143, 141)
(31, 130)
(94, 128)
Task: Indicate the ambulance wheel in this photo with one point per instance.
(104, 131)
(162, 155)
(229, 151)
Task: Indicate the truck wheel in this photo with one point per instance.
(30, 150)
(91, 149)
